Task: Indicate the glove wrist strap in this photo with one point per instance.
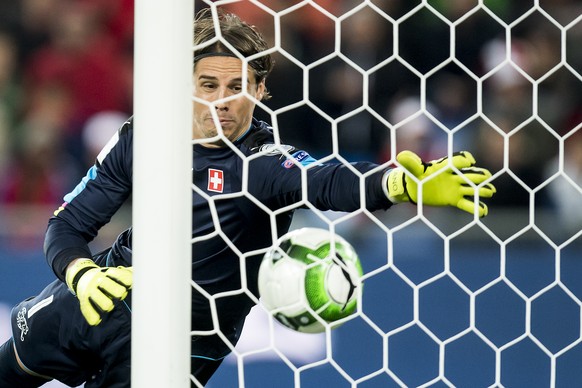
(394, 186)
(77, 270)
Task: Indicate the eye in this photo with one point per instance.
(236, 88)
(208, 86)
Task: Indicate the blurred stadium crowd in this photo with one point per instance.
(66, 84)
(62, 64)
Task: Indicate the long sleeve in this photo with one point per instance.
(91, 204)
(329, 186)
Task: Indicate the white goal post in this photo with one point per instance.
(448, 300)
(162, 167)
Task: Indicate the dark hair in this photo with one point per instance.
(244, 38)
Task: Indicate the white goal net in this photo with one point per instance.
(448, 299)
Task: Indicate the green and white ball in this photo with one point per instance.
(303, 276)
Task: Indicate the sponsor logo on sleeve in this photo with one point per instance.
(298, 157)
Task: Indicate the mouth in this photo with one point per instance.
(223, 121)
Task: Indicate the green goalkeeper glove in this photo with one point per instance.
(96, 287)
(441, 185)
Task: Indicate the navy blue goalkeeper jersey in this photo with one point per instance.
(274, 183)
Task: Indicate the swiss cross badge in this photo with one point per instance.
(215, 180)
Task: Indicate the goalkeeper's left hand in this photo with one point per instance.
(97, 287)
(441, 185)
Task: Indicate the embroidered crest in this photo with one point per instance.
(215, 180)
(21, 323)
(274, 149)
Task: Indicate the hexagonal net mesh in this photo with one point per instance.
(449, 299)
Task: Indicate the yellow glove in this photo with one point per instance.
(441, 185)
(96, 287)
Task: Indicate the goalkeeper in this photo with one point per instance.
(77, 330)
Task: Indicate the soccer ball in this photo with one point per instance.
(305, 283)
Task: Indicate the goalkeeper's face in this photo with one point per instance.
(218, 87)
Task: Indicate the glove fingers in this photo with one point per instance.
(460, 160)
(97, 288)
(476, 174)
(485, 191)
(102, 300)
(469, 206)
(463, 159)
(111, 288)
(121, 275)
(411, 162)
(95, 305)
(466, 157)
(483, 209)
(90, 313)
(98, 303)
(443, 185)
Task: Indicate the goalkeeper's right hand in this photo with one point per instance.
(97, 287)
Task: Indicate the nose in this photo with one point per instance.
(220, 103)
(221, 107)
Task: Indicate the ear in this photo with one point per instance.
(260, 90)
